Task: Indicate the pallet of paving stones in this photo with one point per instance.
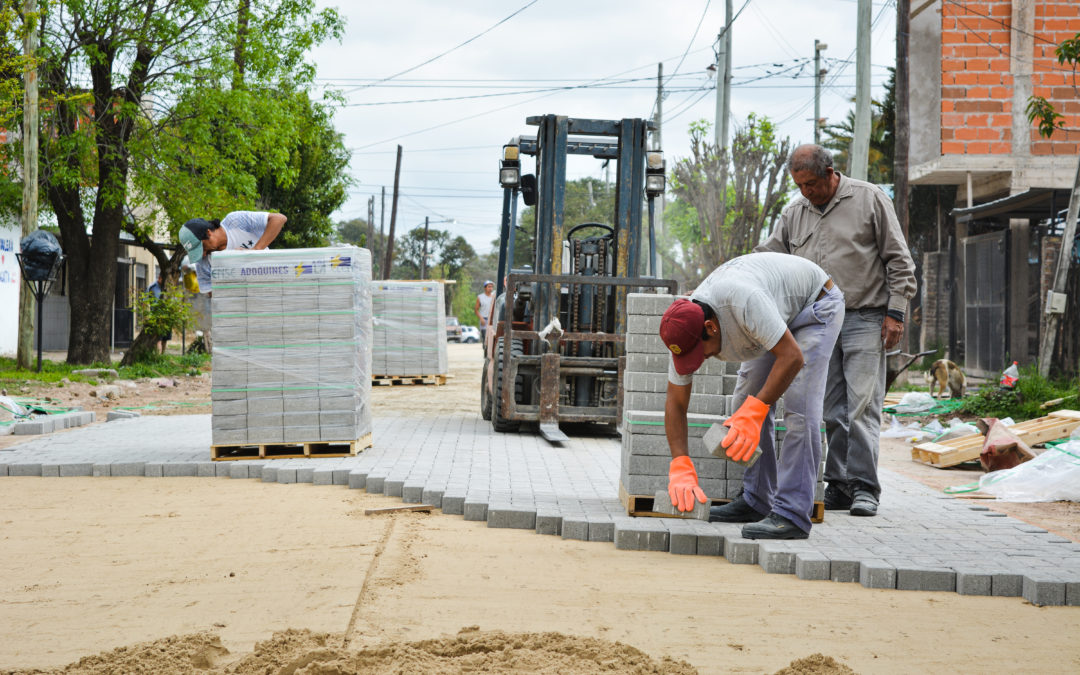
(290, 450)
(398, 380)
(955, 451)
(642, 506)
(409, 331)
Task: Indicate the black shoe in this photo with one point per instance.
(864, 504)
(735, 511)
(836, 499)
(774, 526)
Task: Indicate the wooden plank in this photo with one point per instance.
(955, 451)
(423, 508)
(640, 506)
(398, 380)
(296, 450)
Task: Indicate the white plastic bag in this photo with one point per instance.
(957, 428)
(915, 401)
(1052, 476)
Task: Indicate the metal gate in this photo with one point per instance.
(985, 320)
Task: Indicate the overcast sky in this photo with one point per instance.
(599, 56)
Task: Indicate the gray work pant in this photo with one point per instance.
(786, 486)
(853, 400)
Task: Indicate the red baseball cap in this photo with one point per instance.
(680, 329)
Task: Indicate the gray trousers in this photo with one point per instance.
(786, 485)
(853, 400)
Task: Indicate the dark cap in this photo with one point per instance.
(680, 329)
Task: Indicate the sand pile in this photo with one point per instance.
(816, 664)
(301, 652)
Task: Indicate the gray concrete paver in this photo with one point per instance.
(920, 540)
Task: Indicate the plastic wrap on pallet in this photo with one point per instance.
(409, 319)
(292, 345)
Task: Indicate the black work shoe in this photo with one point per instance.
(836, 499)
(735, 511)
(864, 504)
(774, 526)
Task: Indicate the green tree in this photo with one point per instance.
(756, 192)
(111, 73)
(881, 156)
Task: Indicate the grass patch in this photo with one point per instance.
(52, 372)
(1022, 403)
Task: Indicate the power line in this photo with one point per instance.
(452, 49)
(691, 43)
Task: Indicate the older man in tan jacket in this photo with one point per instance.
(849, 228)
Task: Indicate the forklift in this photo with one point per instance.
(556, 347)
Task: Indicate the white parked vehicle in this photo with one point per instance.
(470, 334)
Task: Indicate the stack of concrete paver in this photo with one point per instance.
(292, 346)
(409, 328)
(645, 453)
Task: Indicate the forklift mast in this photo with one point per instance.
(570, 369)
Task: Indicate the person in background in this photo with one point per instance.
(156, 289)
(482, 309)
(849, 228)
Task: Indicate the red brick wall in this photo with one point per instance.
(1055, 21)
(977, 85)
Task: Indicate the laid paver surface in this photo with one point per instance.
(920, 539)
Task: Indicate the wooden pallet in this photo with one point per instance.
(393, 380)
(289, 450)
(642, 507)
(967, 448)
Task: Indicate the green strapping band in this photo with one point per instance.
(293, 284)
(305, 345)
(343, 387)
(660, 424)
(327, 313)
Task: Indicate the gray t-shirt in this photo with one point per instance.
(244, 229)
(755, 297)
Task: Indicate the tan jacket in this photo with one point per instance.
(856, 239)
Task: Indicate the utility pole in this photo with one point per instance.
(860, 142)
(819, 78)
(723, 80)
(723, 105)
(658, 144)
(382, 221)
(903, 118)
(423, 260)
(389, 262)
(370, 223)
(24, 355)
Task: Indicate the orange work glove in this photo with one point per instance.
(682, 484)
(745, 427)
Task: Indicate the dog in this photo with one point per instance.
(945, 372)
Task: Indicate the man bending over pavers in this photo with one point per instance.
(779, 315)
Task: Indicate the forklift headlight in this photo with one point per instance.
(510, 176)
(654, 184)
(654, 160)
(510, 152)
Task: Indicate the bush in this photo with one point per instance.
(1023, 402)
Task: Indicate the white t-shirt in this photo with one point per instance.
(243, 229)
(485, 301)
(755, 297)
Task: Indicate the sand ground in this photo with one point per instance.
(89, 565)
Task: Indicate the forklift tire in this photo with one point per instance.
(485, 398)
(498, 422)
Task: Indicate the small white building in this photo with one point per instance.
(10, 286)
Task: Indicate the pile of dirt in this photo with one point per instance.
(302, 652)
(816, 664)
